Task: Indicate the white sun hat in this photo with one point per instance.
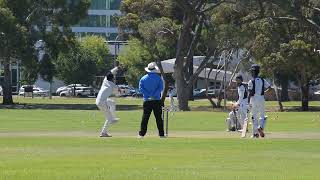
(152, 67)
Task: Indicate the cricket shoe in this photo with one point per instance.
(255, 136)
(140, 137)
(261, 133)
(105, 135)
(163, 137)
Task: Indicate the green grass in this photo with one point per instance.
(72, 150)
(75, 120)
(153, 158)
(138, 101)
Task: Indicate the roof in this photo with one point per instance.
(168, 67)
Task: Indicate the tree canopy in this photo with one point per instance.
(81, 63)
(24, 22)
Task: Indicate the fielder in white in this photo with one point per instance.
(107, 105)
(257, 88)
(232, 121)
(242, 103)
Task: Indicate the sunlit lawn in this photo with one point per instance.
(72, 149)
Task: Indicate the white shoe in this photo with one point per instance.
(105, 135)
(140, 137)
(255, 136)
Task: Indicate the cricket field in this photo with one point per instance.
(58, 139)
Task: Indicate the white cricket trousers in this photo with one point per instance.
(242, 113)
(109, 108)
(258, 111)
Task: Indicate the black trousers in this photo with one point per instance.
(148, 107)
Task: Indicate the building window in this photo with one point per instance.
(105, 4)
(115, 4)
(99, 21)
(99, 4)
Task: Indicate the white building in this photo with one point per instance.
(15, 75)
(215, 77)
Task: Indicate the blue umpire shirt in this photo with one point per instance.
(151, 86)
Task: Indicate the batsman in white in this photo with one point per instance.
(242, 103)
(257, 88)
(107, 105)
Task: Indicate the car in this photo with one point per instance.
(212, 90)
(124, 90)
(132, 91)
(64, 88)
(196, 92)
(173, 92)
(317, 93)
(80, 92)
(37, 91)
(137, 93)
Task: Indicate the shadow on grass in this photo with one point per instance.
(123, 107)
(67, 107)
(293, 109)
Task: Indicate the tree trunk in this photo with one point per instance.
(213, 104)
(181, 84)
(284, 89)
(166, 82)
(220, 97)
(182, 91)
(305, 97)
(183, 97)
(7, 88)
(50, 90)
(165, 91)
(277, 95)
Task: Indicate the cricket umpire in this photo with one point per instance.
(151, 86)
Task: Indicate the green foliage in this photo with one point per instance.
(139, 11)
(129, 23)
(13, 36)
(156, 39)
(47, 68)
(159, 35)
(24, 22)
(135, 57)
(302, 59)
(84, 61)
(99, 47)
(79, 65)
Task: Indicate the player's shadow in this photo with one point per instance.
(67, 107)
(299, 109)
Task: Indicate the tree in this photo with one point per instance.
(77, 66)
(304, 61)
(29, 21)
(272, 35)
(190, 17)
(12, 42)
(135, 57)
(47, 70)
(98, 46)
(153, 33)
(81, 64)
(272, 25)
